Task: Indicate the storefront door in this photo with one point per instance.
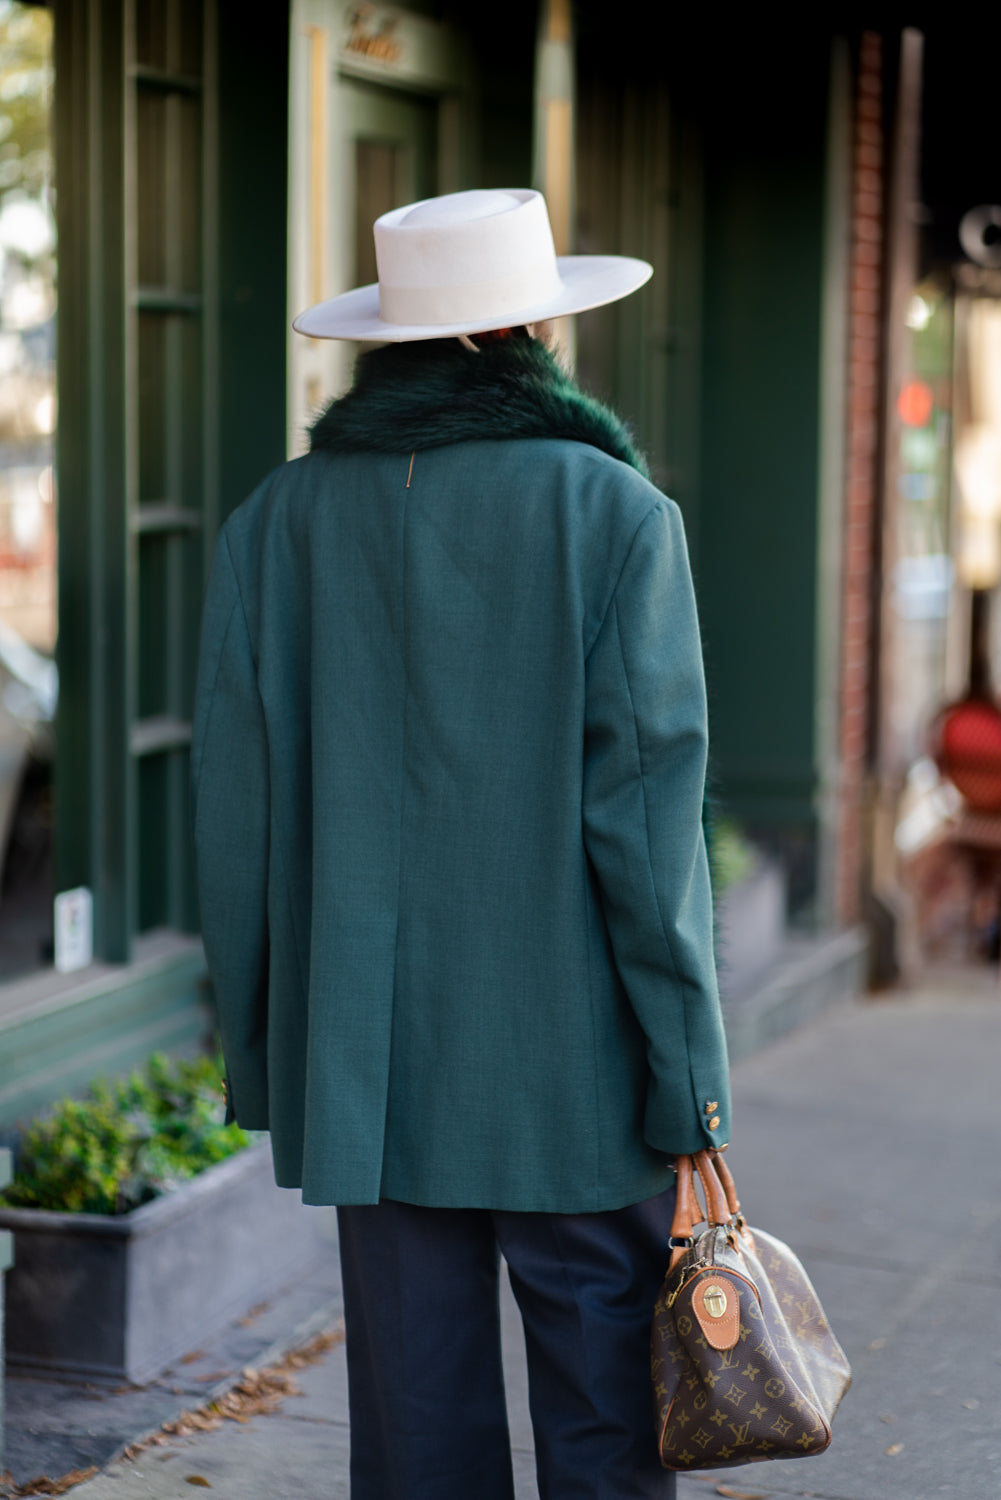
(377, 102)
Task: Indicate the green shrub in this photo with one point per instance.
(129, 1141)
(733, 857)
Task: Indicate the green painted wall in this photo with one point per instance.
(252, 239)
(727, 169)
(502, 46)
(766, 237)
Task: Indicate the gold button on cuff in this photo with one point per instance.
(714, 1123)
(712, 1106)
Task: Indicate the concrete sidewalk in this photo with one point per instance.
(869, 1142)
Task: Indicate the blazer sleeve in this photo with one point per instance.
(644, 782)
(230, 808)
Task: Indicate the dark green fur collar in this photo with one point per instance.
(427, 394)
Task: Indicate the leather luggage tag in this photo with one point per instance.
(716, 1305)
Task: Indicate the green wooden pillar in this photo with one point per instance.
(94, 782)
(171, 147)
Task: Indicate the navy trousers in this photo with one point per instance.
(426, 1389)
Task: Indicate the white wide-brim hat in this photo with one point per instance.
(466, 263)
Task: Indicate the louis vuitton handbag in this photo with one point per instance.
(745, 1366)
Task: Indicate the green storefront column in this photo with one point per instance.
(171, 154)
(774, 303)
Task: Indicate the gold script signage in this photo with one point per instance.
(373, 34)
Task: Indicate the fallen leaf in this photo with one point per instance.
(732, 1494)
(256, 1393)
(894, 1449)
(213, 1375)
(308, 1354)
(888, 1419)
(199, 1420)
(877, 1344)
(43, 1485)
(253, 1315)
(192, 1358)
(198, 1479)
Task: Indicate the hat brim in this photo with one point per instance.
(587, 281)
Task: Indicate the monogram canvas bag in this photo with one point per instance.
(744, 1364)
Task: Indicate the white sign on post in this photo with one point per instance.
(74, 929)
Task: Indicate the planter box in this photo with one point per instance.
(124, 1297)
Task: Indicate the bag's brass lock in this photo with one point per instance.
(716, 1305)
(714, 1301)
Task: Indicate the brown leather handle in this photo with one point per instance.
(717, 1207)
(727, 1183)
(687, 1208)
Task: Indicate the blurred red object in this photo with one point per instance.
(966, 743)
(915, 402)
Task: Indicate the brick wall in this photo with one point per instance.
(862, 439)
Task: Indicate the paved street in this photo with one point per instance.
(869, 1141)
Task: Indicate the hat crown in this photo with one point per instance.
(459, 208)
(465, 256)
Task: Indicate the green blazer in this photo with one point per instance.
(448, 767)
